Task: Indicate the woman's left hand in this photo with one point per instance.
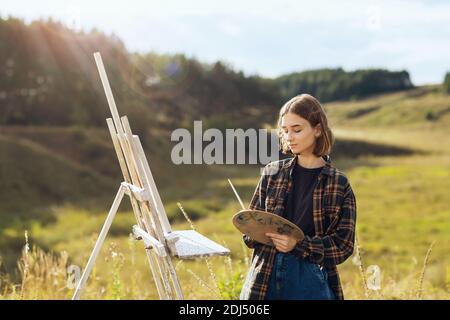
(282, 242)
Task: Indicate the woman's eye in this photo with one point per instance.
(297, 131)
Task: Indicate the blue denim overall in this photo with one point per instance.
(296, 279)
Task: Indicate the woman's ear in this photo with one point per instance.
(318, 130)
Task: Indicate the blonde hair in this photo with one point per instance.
(309, 108)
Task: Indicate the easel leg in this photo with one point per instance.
(99, 243)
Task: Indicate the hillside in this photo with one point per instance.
(54, 109)
(40, 161)
(423, 107)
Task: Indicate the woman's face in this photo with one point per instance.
(299, 134)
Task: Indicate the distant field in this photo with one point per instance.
(402, 202)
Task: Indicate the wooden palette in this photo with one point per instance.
(256, 224)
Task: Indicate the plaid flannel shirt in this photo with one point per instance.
(334, 214)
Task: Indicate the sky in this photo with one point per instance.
(270, 37)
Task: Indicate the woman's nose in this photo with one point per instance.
(289, 136)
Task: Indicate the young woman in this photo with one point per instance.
(309, 191)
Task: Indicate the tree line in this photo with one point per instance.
(48, 77)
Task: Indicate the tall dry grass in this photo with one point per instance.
(44, 275)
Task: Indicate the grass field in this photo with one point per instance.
(402, 203)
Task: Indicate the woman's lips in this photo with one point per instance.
(292, 145)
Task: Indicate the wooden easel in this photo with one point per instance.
(153, 227)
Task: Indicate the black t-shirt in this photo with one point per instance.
(299, 207)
